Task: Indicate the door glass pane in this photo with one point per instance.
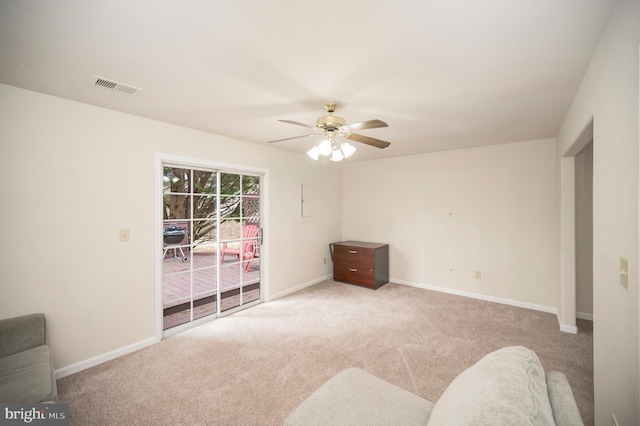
(229, 299)
(205, 307)
(251, 209)
(204, 256)
(205, 292)
(230, 207)
(204, 231)
(176, 289)
(177, 206)
(230, 230)
(229, 277)
(250, 185)
(251, 293)
(176, 180)
(176, 247)
(229, 184)
(204, 206)
(204, 182)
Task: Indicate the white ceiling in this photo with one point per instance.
(444, 74)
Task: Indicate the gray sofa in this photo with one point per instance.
(26, 365)
(506, 387)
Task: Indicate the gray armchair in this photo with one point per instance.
(26, 365)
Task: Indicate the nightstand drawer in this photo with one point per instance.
(360, 263)
(347, 253)
(354, 274)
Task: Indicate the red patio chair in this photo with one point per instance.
(247, 245)
(252, 254)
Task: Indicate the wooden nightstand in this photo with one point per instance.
(360, 263)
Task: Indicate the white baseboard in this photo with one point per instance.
(91, 362)
(584, 316)
(501, 300)
(568, 328)
(299, 287)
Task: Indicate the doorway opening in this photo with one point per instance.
(584, 232)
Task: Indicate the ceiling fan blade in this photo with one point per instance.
(368, 141)
(298, 124)
(294, 137)
(370, 124)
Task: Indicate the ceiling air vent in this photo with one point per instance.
(114, 85)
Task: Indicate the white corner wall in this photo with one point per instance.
(608, 97)
(72, 175)
(449, 214)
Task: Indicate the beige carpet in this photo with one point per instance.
(254, 367)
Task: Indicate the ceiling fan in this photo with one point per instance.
(336, 132)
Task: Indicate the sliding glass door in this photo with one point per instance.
(211, 242)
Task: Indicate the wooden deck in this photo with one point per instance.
(192, 284)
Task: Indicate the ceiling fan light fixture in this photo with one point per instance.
(314, 153)
(337, 155)
(347, 149)
(325, 147)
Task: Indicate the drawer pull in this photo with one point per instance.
(353, 251)
(353, 269)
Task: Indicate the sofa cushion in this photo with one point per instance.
(355, 397)
(506, 387)
(27, 377)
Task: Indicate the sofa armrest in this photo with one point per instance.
(21, 333)
(563, 404)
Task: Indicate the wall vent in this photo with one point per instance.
(114, 85)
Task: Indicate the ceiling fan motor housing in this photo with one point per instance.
(330, 123)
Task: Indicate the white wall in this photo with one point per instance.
(72, 175)
(608, 95)
(448, 214)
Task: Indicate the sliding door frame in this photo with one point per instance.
(160, 160)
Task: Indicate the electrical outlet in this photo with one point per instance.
(324, 260)
(124, 235)
(478, 275)
(624, 273)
